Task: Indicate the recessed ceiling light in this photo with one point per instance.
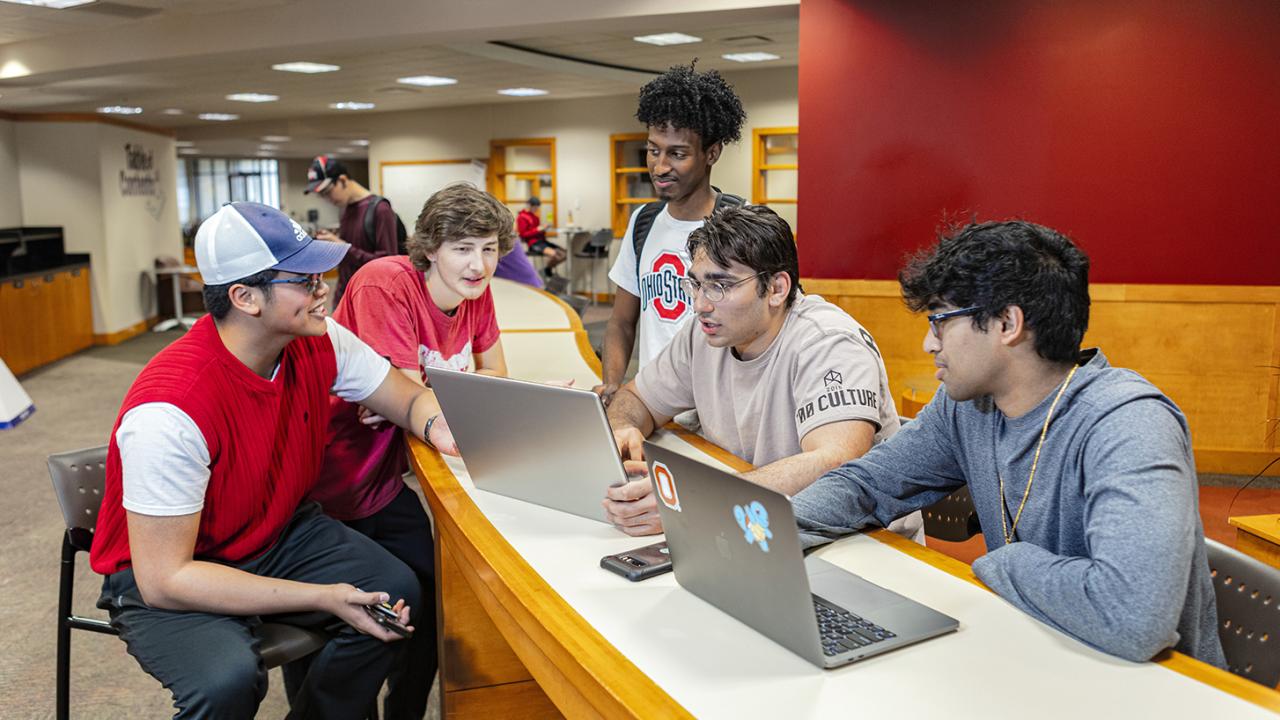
(275, 138)
(188, 151)
(219, 117)
(351, 105)
(171, 111)
(673, 38)
(427, 80)
(119, 109)
(522, 92)
(268, 147)
(54, 4)
(265, 153)
(305, 67)
(184, 143)
(751, 57)
(253, 97)
(361, 143)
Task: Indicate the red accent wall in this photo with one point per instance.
(1147, 130)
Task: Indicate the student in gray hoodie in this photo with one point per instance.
(1082, 474)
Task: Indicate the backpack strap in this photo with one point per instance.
(369, 212)
(649, 213)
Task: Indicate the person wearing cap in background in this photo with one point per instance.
(328, 178)
(533, 232)
(203, 530)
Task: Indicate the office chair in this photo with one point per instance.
(78, 480)
(595, 248)
(953, 518)
(1248, 593)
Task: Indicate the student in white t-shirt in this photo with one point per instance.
(786, 381)
(690, 116)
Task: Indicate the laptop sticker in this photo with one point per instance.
(666, 486)
(754, 521)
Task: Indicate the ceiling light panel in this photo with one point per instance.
(219, 117)
(275, 138)
(171, 111)
(349, 105)
(427, 80)
(747, 57)
(54, 4)
(672, 38)
(253, 97)
(119, 109)
(522, 92)
(309, 68)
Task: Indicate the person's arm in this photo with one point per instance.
(619, 342)
(409, 406)
(169, 578)
(491, 361)
(384, 240)
(822, 449)
(1126, 595)
(911, 470)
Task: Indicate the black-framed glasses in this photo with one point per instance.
(713, 290)
(936, 319)
(310, 283)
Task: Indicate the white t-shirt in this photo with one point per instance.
(664, 262)
(163, 454)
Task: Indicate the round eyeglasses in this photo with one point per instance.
(713, 290)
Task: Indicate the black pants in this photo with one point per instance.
(402, 527)
(210, 662)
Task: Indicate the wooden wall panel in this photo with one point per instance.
(1212, 349)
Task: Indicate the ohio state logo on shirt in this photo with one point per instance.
(660, 288)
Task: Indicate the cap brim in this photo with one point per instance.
(317, 186)
(317, 257)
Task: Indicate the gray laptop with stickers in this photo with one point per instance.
(499, 426)
(735, 545)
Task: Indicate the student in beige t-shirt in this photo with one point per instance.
(786, 381)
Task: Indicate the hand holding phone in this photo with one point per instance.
(386, 616)
(639, 564)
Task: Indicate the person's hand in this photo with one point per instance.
(630, 443)
(442, 437)
(327, 235)
(348, 603)
(632, 507)
(369, 418)
(606, 392)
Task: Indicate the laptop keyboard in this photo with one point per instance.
(842, 631)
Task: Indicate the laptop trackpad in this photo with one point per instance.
(847, 590)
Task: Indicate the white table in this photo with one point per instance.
(176, 271)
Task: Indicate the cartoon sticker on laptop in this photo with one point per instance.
(666, 486)
(754, 521)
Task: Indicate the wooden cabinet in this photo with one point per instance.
(45, 317)
(775, 170)
(523, 168)
(631, 184)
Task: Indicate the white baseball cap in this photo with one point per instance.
(244, 238)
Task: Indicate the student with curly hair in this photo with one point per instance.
(690, 115)
(432, 308)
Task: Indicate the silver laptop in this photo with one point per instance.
(543, 444)
(735, 545)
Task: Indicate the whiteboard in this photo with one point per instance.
(408, 185)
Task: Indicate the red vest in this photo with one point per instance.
(265, 439)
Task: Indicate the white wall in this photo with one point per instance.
(69, 175)
(10, 192)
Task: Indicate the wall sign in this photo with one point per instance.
(141, 179)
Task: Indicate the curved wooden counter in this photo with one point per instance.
(512, 646)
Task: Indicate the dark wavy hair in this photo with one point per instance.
(755, 236)
(685, 99)
(993, 265)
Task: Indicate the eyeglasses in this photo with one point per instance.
(310, 283)
(713, 290)
(936, 319)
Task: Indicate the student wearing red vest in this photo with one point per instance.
(203, 529)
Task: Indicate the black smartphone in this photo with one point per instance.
(640, 563)
(385, 615)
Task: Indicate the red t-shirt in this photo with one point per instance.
(387, 305)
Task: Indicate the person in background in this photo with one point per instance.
(430, 309)
(516, 266)
(1081, 473)
(203, 528)
(533, 232)
(328, 178)
(784, 380)
(689, 116)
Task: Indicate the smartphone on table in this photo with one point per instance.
(641, 563)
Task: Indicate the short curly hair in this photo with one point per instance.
(685, 99)
(993, 265)
(458, 211)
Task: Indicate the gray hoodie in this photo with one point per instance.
(1109, 548)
